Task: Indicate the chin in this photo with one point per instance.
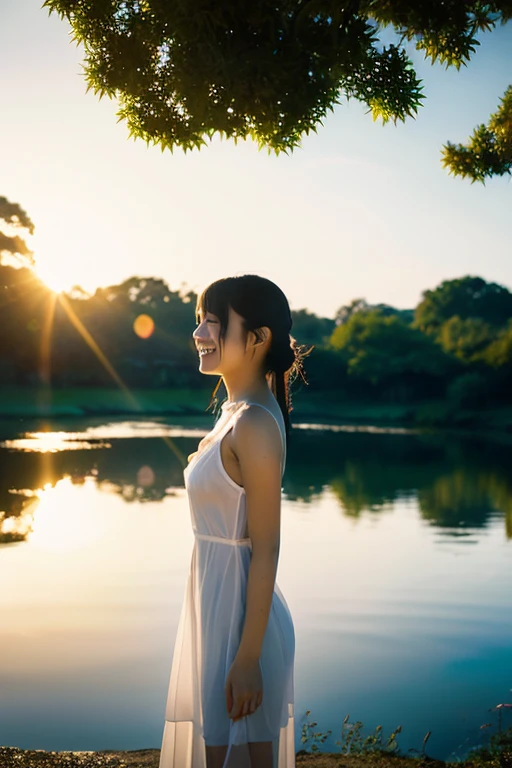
(209, 372)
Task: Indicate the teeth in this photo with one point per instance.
(205, 351)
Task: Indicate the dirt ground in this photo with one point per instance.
(14, 757)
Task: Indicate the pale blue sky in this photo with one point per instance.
(361, 210)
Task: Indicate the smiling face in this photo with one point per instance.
(209, 345)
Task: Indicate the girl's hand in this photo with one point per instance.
(244, 688)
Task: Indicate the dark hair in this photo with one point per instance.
(261, 303)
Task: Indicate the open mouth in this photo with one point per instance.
(203, 351)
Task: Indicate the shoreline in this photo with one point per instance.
(15, 757)
(308, 407)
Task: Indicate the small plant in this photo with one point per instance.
(352, 742)
(310, 738)
(498, 752)
(425, 739)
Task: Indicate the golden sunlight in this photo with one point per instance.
(50, 442)
(53, 279)
(62, 262)
(65, 517)
(66, 256)
(50, 270)
(19, 526)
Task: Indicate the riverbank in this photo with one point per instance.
(321, 407)
(13, 757)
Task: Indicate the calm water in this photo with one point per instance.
(396, 562)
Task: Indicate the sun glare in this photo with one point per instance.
(66, 517)
(63, 262)
(52, 279)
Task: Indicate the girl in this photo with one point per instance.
(231, 701)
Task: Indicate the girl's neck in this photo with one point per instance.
(255, 389)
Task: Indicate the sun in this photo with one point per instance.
(54, 280)
(62, 265)
(50, 266)
(52, 276)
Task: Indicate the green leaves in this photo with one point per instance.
(270, 70)
(489, 149)
(387, 82)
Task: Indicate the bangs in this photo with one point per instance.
(214, 299)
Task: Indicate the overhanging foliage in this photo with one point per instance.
(266, 69)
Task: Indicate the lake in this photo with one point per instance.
(395, 561)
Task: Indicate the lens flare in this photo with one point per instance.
(144, 326)
(145, 477)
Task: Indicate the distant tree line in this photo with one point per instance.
(456, 343)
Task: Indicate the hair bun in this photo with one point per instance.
(286, 355)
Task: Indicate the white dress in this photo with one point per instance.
(211, 623)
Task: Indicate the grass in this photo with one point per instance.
(85, 401)
(356, 751)
(308, 406)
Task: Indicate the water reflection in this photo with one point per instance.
(397, 620)
(64, 520)
(16, 523)
(459, 482)
(44, 442)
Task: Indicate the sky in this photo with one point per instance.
(361, 210)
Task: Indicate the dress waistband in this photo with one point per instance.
(223, 540)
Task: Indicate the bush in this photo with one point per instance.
(468, 391)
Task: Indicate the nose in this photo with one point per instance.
(201, 332)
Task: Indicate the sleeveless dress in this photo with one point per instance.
(211, 623)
